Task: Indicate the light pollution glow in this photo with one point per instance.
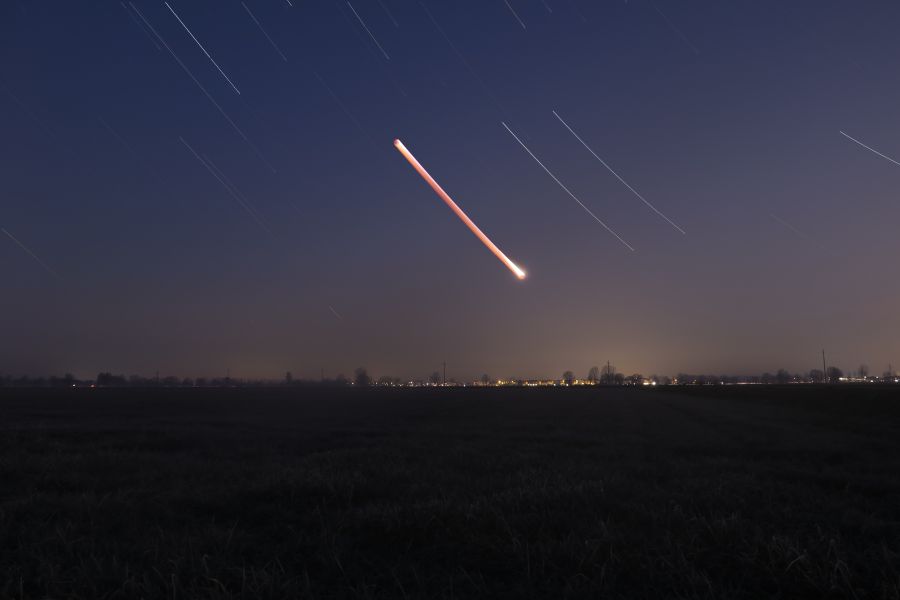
(459, 212)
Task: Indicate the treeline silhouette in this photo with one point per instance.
(107, 379)
(605, 376)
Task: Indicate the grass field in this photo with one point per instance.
(761, 492)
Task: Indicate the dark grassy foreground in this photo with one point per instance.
(713, 493)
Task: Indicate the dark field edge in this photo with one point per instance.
(712, 492)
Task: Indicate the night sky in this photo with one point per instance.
(333, 253)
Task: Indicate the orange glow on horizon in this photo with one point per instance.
(456, 209)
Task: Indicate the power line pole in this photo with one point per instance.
(445, 373)
(824, 369)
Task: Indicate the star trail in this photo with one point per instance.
(695, 186)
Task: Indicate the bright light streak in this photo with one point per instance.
(388, 13)
(515, 14)
(191, 33)
(268, 37)
(456, 209)
(369, 31)
(234, 194)
(565, 189)
(610, 169)
(203, 89)
(869, 148)
(141, 27)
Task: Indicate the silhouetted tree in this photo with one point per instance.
(67, 380)
(108, 379)
(485, 379)
(594, 375)
(288, 378)
(834, 374)
(435, 378)
(863, 371)
(782, 376)
(568, 377)
(341, 379)
(361, 377)
(609, 374)
(619, 379)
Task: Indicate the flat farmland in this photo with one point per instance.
(713, 492)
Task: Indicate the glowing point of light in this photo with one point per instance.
(456, 209)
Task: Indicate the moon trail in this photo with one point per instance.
(456, 209)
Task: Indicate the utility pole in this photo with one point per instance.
(445, 373)
(824, 369)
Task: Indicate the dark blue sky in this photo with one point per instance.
(725, 115)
